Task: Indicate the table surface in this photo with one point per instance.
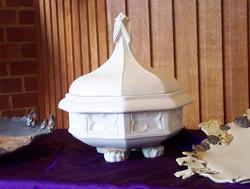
(61, 161)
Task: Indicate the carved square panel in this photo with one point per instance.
(102, 123)
(143, 122)
(175, 119)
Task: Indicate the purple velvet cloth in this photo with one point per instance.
(61, 161)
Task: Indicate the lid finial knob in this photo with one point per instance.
(120, 28)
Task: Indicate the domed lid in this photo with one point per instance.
(122, 85)
(121, 75)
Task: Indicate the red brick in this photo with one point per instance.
(25, 100)
(29, 50)
(12, 113)
(23, 67)
(10, 85)
(1, 34)
(9, 51)
(8, 17)
(3, 69)
(31, 83)
(4, 102)
(18, 3)
(21, 34)
(26, 17)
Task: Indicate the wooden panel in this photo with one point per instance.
(204, 43)
(62, 57)
(84, 36)
(69, 41)
(248, 11)
(93, 35)
(114, 7)
(102, 31)
(211, 65)
(138, 12)
(76, 39)
(187, 56)
(162, 35)
(56, 63)
(235, 57)
(43, 62)
(50, 54)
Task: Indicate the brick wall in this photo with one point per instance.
(18, 58)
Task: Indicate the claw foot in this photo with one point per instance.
(153, 152)
(116, 155)
(100, 150)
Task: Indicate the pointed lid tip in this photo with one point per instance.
(120, 28)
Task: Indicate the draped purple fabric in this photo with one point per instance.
(61, 161)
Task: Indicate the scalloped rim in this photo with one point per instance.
(195, 160)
